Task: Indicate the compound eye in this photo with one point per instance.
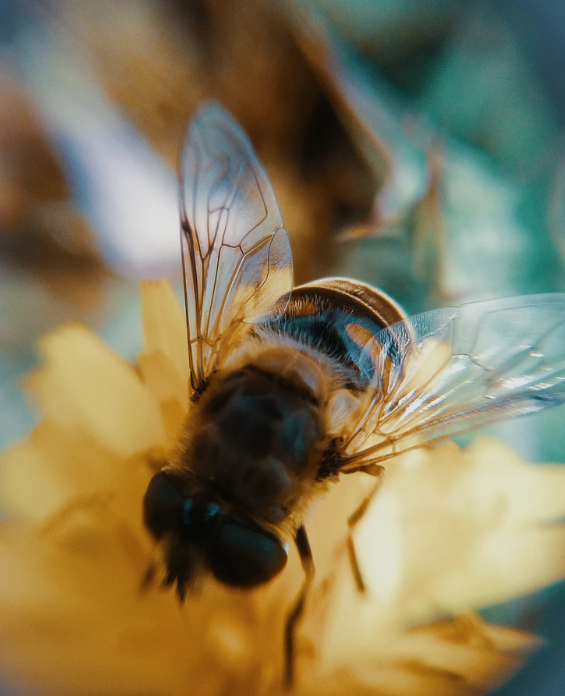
(243, 556)
(162, 504)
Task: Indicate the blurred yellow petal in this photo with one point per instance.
(162, 379)
(54, 465)
(460, 657)
(449, 523)
(531, 493)
(164, 325)
(170, 393)
(86, 387)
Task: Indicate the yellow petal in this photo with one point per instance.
(446, 532)
(164, 325)
(41, 474)
(84, 386)
(460, 657)
(532, 493)
(160, 375)
(168, 390)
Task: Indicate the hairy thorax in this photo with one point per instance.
(255, 435)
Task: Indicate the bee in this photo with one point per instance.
(291, 388)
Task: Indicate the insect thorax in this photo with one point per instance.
(252, 436)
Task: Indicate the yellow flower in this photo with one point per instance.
(450, 532)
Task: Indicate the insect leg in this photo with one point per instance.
(148, 578)
(354, 520)
(305, 553)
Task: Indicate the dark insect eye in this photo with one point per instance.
(162, 504)
(241, 556)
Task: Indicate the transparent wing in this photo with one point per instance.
(236, 255)
(448, 371)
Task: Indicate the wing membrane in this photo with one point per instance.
(236, 255)
(448, 371)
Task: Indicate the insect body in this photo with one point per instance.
(291, 388)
